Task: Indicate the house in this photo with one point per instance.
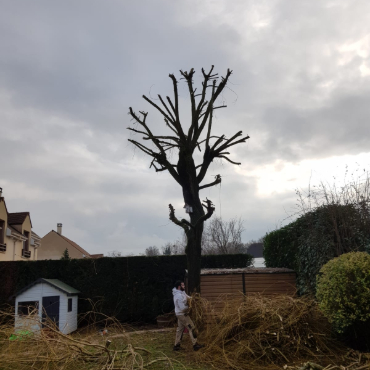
(54, 244)
(17, 240)
(46, 298)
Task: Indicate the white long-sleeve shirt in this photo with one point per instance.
(180, 301)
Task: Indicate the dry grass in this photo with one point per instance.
(250, 333)
(86, 349)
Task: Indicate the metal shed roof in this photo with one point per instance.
(63, 287)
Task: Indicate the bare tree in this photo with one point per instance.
(186, 139)
(152, 251)
(167, 249)
(223, 237)
(115, 254)
(174, 248)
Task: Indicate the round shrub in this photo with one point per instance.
(343, 290)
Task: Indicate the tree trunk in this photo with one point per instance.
(190, 189)
(193, 257)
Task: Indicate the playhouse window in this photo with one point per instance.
(69, 304)
(27, 308)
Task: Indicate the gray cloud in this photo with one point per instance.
(70, 70)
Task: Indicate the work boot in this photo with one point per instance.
(177, 347)
(197, 346)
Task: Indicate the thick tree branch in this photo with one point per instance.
(217, 181)
(160, 157)
(175, 139)
(189, 79)
(176, 108)
(210, 118)
(206, 77)
(137, 131)
(143, 148)
(223, 147)
(168, 111)
(218, 91)
(183, 223)
(229, 160)
(158, 108)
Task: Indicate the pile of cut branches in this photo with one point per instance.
(107, 349)
(252, 332)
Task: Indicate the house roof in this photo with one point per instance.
(75, 245)
(246, 270)
(17, 218)
(63, 287)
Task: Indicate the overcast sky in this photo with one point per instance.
(69, 71)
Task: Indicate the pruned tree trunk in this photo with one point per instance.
(186, 173)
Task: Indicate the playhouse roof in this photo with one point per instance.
(63, 287)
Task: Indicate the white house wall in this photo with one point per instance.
(67, 320)
(70, 324)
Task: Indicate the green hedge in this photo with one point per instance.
(129, 288)
(306, 244)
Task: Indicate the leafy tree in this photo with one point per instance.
(65, 255)
(186, 139)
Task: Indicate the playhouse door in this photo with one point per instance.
(50, 309)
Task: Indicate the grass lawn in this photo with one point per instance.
(162, 342)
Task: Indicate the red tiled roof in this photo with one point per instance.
(18, 218)
(100, 255)
(81, 250)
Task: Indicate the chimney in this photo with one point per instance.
(1, 192)
(59, 229)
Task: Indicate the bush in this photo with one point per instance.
(316, 237)
(343, 292)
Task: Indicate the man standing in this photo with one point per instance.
(183, 319)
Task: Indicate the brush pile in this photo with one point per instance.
(259, 332)
(49, 349)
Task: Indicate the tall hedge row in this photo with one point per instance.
(129, 288)
(306, 244)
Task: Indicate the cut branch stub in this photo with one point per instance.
(208, 205)
(183, 223)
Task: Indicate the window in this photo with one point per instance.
(28, 308)
(2, 231)
(69, 304)
(26, 243)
